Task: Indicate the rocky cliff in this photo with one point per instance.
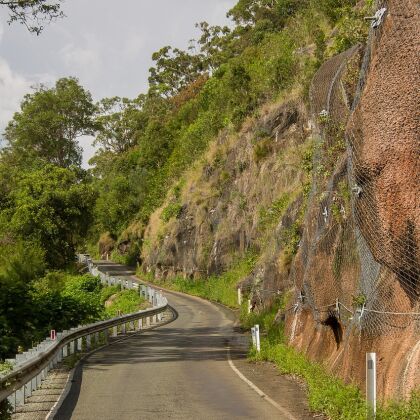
(327, 196)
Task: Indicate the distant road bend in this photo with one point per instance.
(177, 371)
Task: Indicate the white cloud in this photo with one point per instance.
(81, 60)
(13, 87)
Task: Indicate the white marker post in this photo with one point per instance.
(253, 336)
(249, 306)
(239, 296)
(371, 385)
(257, 337)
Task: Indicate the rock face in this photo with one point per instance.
(369, 263)
(222, 201)
(329, 199)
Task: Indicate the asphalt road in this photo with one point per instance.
(178, 371)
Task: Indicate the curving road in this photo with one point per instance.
(178, 371)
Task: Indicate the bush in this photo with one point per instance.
(170, 211)
(125, 302)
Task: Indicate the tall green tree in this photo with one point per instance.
(249, 12)
(50, 122)
(51, 206)
(119, 121)
(174, 70)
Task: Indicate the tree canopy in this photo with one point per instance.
(50, 122)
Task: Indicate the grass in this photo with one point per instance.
(125, 302)
(326, 394)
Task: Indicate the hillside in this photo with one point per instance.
(315, 190)
(278, 155)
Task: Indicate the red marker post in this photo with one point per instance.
(53, 335)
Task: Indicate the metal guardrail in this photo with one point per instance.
(32, 366)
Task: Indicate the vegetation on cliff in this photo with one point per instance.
(180, 160)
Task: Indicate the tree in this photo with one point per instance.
(217, 44)
(34, 14)
(51, 206)
(175, 69)
(49, 123)
(118, 122)
(248, 12)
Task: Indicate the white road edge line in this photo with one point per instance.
(61, 398)
(258, 390)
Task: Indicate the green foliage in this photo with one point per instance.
(107, 292)
(269, 217)
(359, 300)
(31, 305)
(222, 289)
(5, 367)
(49, 123)
(118, 122)
(170, 211)
(125, 302)
(351, 29)
(52, 207)
(307, 159)
(266, 318)
(401, 410)
(273, 14)
(85, 290)
(291, 238)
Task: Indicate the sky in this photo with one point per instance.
(106, 44)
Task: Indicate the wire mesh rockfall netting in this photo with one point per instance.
(357, 261)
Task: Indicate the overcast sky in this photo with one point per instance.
(107, 44)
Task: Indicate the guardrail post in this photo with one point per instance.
(28, 389)
(20, 396)
(106, 334)
(65, 353)
(257, 337)
(38, 380)
(79, 344)
(371, 385)
(114, 331)
(71, 347)
(140, 323)
(249, 306)
(96, 338)
(88, 342)
(59, 355)
(33, 384)
(12, 401)
(123, 328)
